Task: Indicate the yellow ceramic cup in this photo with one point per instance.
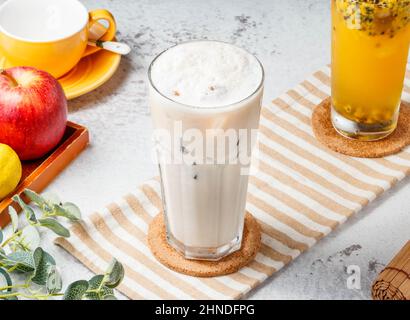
(49, 35)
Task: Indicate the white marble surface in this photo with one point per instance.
(291, 38)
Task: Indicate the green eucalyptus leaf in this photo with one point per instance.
(30, 215)
(94, 283)
(76, 290)
(29, 212)
(43, 262)
(1, 236)
(14, 219)
(30, 237)
(115, 274)
(37, 256)
(54, 283)
(36, 198)
(106, 292)
(73, 210)
(110, 297)
(54, 226)
(22, 260)
(5, 280)
(42, 203)
(68, 210)
(51, 198)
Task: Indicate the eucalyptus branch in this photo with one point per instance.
(12, 268)
(30, 296)
(14, 287)
(20, 252)
(11, 238)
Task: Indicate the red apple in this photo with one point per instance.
(33, 111)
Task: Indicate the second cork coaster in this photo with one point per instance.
(168, 256)
(328, 136)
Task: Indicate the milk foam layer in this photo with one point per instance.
(206, 74)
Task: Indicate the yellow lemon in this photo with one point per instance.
(10, 170)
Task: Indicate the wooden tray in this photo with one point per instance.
(39, 173)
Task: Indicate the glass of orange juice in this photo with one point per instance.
(370, 45)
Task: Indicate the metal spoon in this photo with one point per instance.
(116, 47)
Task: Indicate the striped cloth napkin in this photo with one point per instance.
(300, 192)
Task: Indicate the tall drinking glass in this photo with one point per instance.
(205, 99)
(370, 45)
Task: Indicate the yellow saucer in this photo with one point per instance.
(90, 73)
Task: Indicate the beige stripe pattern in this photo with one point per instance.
(299, 192)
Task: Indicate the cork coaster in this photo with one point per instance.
(328, 136)
(168, 256)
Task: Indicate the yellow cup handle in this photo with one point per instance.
(94, 17)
